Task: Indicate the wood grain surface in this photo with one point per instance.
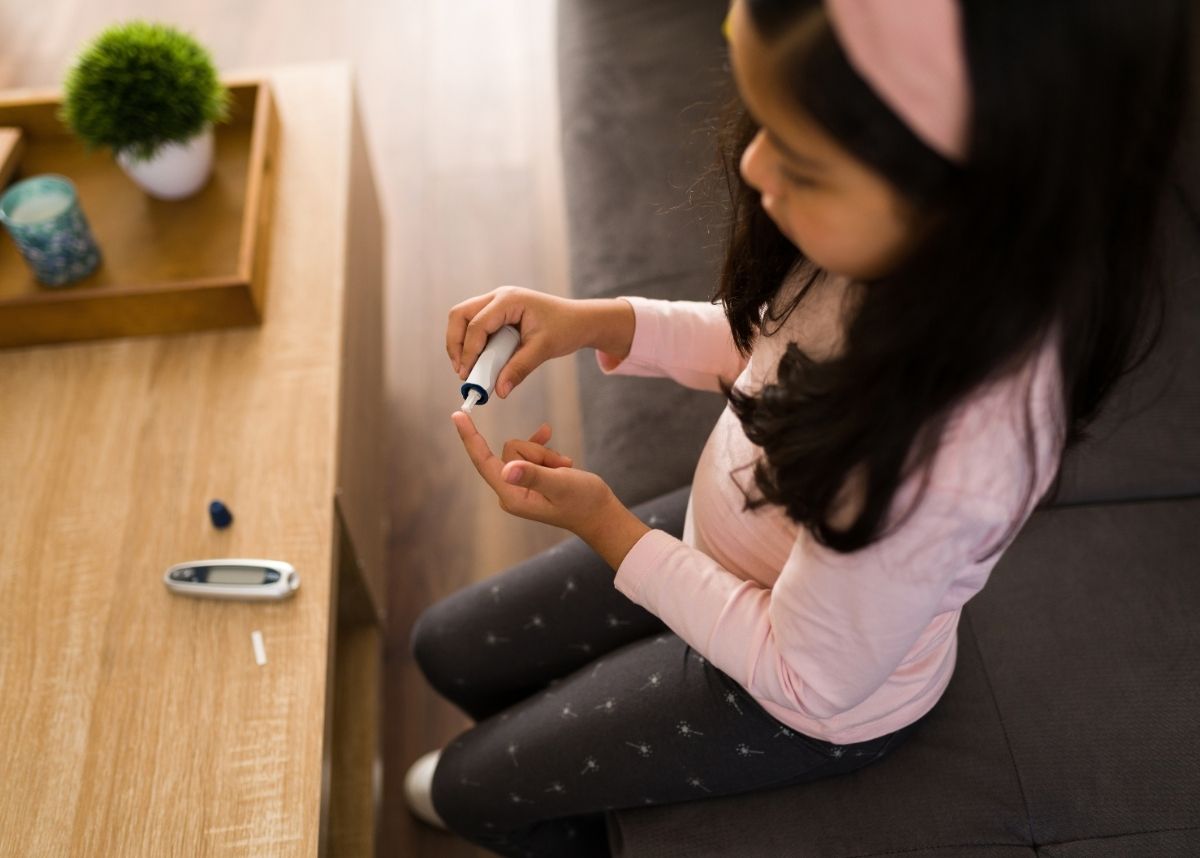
(138, 722)
(460, 111)
(12, 147)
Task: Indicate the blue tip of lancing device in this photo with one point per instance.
(467, 387)
(220, 514)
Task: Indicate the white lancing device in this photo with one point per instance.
(478, 387)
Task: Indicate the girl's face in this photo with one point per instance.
(842, 215)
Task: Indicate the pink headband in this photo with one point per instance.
(911, 53)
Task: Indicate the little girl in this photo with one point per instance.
(943, 214)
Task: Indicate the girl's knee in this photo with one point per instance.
(430, 643)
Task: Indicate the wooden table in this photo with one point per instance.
(134, 722)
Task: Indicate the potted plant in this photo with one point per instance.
(151, 94)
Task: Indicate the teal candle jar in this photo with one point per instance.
(43, 216)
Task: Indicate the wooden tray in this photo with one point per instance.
(167, 267)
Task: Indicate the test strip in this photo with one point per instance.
(260, 653)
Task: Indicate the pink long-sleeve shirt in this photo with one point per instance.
(842, 647)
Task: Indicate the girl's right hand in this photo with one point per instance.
(550, 327)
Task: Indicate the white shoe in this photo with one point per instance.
(418, 788)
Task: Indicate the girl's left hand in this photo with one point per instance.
(534, 482)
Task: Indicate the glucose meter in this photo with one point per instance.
(233, 579)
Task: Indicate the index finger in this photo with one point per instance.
(485, 461)
(491, 318)
(456, 325)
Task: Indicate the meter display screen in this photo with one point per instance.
(235, 575)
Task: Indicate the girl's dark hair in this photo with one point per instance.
(1051, 219)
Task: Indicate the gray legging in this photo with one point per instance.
(585, 703)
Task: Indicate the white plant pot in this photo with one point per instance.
(177, 170)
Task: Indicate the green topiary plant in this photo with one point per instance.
(141, 85)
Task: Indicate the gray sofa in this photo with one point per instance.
(1072, 724)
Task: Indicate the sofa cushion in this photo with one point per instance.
(1091, 640)
(1071, 718)
(1146, 441)
(641, 85)
(643, 436)
(1153, 844)
(638, 82)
